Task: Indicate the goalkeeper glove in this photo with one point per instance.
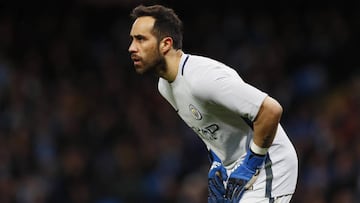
(216, 177)
(243, 176)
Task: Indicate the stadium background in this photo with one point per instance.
(78, 125)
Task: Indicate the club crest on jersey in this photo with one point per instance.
(194, 112)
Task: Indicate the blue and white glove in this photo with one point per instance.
(216, 177)
(243, 176)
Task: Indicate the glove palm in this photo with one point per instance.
(216, 177)
(243, 176)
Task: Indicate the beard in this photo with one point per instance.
(158, 65)
(155, 66)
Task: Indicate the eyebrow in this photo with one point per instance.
(137, 36)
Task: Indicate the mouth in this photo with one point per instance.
(135, 59)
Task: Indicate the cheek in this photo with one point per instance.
(152, 53)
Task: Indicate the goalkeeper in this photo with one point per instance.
(252, 158)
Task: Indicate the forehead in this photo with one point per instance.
(142, 25)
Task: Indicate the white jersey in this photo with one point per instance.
(220, 107)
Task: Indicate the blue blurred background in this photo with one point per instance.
(78, 125)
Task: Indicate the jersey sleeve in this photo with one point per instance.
(226, 88)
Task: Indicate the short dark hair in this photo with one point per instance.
(167, 23)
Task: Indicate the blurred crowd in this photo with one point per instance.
(78, 125)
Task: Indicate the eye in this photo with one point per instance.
(130, 39)
(139, 38)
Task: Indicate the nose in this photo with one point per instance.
(132, 47)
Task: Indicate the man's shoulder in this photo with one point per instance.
(200, 61)
(203, 75)
(202, 69)
(199, 66)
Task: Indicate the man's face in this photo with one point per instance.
(144, 47)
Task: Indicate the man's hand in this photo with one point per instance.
(216, 177)
(243, 176)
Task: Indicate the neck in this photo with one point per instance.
(172, 60)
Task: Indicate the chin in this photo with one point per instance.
(140, 70)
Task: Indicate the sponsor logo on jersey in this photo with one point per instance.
(194, 112)
(207, 133)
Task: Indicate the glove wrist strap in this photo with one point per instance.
(257, 150)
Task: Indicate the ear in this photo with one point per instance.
(166, 44)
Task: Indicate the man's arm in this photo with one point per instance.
(246, 173)
(266, 123)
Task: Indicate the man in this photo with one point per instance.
(252, 158)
